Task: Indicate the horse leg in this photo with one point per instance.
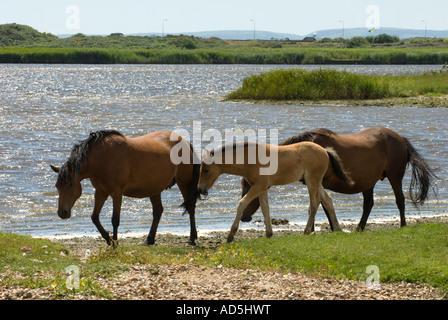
(327, 203)
(189, 205)
(100, 198)
(157, 210)
(366, 208)
(399, 199)
(327, 214)
(264, 204)
(252, 206)
(117, 200)
(193, 231)
(242, 204)
(314, 204)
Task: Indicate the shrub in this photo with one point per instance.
(324, 84)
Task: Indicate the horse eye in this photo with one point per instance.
(205, 170)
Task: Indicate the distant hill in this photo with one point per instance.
(246, 35)
(234, 35)
(328, 33)
(11, 34)
(21, 35)
(364, 32)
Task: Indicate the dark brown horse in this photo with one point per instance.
(368, 156)
(120, 166)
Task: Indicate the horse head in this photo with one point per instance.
(69, 189)
(209, 172)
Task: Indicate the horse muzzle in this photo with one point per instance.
(64, 213)
(203, 189)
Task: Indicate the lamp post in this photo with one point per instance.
(254, 27)
(343, 29)
(424, 21)
(163, 27)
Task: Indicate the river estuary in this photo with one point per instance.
(45, 109)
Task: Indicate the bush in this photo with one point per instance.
(310, 85)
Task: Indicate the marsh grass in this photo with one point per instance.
(329, 84)
(220, 55)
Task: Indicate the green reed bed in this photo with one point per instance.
(329, 84)
(219, 55)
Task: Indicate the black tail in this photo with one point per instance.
(337, 166)
(422, 175)
(189, 203)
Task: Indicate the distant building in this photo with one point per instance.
(314, 38)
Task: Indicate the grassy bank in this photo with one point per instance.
(327, 84)
(412, 254)
(228, 55)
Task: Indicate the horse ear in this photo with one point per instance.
(205, 154)
(55, 169)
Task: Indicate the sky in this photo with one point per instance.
(177, 16)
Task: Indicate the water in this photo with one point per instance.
(45, 109)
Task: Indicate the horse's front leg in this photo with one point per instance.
(100, 198)
(117, 200)
(242, 205)
(264, 204)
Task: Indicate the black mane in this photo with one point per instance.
(307, 136)
(80, 152)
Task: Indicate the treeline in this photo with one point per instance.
(224, 56)
(23, 44)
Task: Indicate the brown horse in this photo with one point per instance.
(301, 161)
(120, 166)
(368, 156)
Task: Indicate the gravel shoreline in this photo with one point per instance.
(194, 282)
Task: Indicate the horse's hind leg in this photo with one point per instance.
(157, 210)
(264, 203)
(399, 198)
(314, 204)
(189, 205)
(327, 203)
(193, 231)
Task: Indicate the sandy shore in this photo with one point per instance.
(418, 101)
(79, 245)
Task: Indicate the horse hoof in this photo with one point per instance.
(192, 243)
(149, 242)
(114, 243)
